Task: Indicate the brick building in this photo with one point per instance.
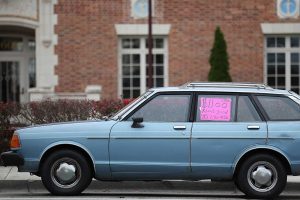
(97, 48)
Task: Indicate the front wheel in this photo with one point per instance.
(262, 176)
(66, 172)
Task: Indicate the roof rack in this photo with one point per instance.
(227, 84)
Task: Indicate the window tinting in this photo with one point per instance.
(246, 111)
(216, 108)
(165, 108)
(280, 108)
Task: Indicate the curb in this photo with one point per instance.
(162, 188)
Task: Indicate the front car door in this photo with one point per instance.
(225, 126)
(160, 147)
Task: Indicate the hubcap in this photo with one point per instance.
(65, 173)
(262, 176)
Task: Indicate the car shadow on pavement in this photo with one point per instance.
(138, 196)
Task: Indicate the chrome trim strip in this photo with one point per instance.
(96, 138)
(228, 137)
(281, 138)
(277, 138)
(120, 137)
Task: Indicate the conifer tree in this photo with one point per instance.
(218, 60)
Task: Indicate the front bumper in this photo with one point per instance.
(11, 159)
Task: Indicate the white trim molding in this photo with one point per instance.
(280, 28)
(142, 29)
(15, 21)
(46, 39)
(92, 92)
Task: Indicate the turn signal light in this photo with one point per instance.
(15, 142)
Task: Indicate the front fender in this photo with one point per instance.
(71, 143)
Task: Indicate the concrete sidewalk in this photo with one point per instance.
(12, 181)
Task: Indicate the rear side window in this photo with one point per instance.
(246, 111)
(216, 108)
(280, 108)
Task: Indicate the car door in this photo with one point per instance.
(225, 125)
(157, 148)
(283, 115)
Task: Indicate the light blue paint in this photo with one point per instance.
(157, 151)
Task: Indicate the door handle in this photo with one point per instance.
(179, 127)
(253, 127)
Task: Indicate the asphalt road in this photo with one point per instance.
(91, 196)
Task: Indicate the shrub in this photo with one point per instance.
(8, 114)
(218, 60)
(8, 118)
(101, 109)
(55, 111)
(5, 137)
(50, 111)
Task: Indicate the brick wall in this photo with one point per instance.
(87, 41)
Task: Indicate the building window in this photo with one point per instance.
(11, 43)
(283, 62)
(134, 65)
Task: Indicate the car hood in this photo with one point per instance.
(75, 128)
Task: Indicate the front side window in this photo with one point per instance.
(134, 65)
(280, 108)
(219, 108)
(165, 108)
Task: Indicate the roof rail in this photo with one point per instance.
(227, 84)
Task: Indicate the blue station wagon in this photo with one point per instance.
(241, 132)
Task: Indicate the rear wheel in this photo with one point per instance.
(66, 172)
(261, 176)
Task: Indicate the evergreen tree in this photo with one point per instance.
(218, 60)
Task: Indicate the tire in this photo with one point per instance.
(237, 186)
(66, 172)
(261, 176)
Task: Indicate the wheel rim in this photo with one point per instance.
(65, 173)
(262, 176)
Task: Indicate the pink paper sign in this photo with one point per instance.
(215, 109)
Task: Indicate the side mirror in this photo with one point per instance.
(137, 122)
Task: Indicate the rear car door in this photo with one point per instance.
(283, 115)
(225, 125)
(160, 147)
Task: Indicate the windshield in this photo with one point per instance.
(130, 105)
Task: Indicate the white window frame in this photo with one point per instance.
(22, 57)
(142, 51)
(287, 50)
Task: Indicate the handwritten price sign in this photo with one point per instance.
(215, 109)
